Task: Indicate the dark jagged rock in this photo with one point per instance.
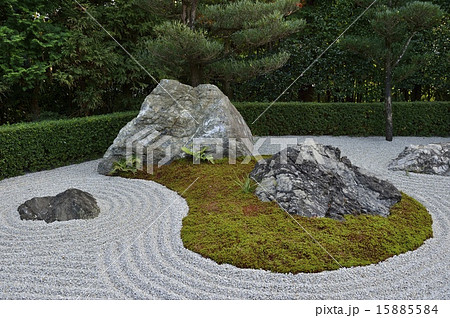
(68, 205)
(429, 159)
(315, 181)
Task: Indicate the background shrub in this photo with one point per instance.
(49, 144)
(366, 119)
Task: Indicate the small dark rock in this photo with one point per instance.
(68, 205)
(313, 180)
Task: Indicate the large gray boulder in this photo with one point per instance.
(173, 116)
(429, 159)
(68, 205)
(313, 180)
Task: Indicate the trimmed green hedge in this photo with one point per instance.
(410, 119)
(49, 144)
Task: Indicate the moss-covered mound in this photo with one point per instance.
(230, 226)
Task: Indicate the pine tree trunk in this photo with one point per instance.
(189, 12)
(193, 14)
(388, 100)
(184, 13)
(196, 74)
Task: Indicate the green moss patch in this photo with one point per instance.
(229, 226)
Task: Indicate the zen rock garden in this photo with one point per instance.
(358, 218)
(309, 180)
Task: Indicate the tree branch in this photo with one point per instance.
(404, 50)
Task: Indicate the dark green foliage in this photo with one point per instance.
(30, 46)
(55, 58)
(201, 42)
(337, 76)
(340, 75)
(393, 26)
(98, 75)
(50, 144)
(410, 119)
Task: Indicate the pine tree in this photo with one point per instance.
(206, 41)
(394, 23)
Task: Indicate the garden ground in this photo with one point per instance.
(134, 249)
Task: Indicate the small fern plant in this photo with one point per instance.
(246, 184)
(126, 165)
(199, 155)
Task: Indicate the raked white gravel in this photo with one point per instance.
(133, 249)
